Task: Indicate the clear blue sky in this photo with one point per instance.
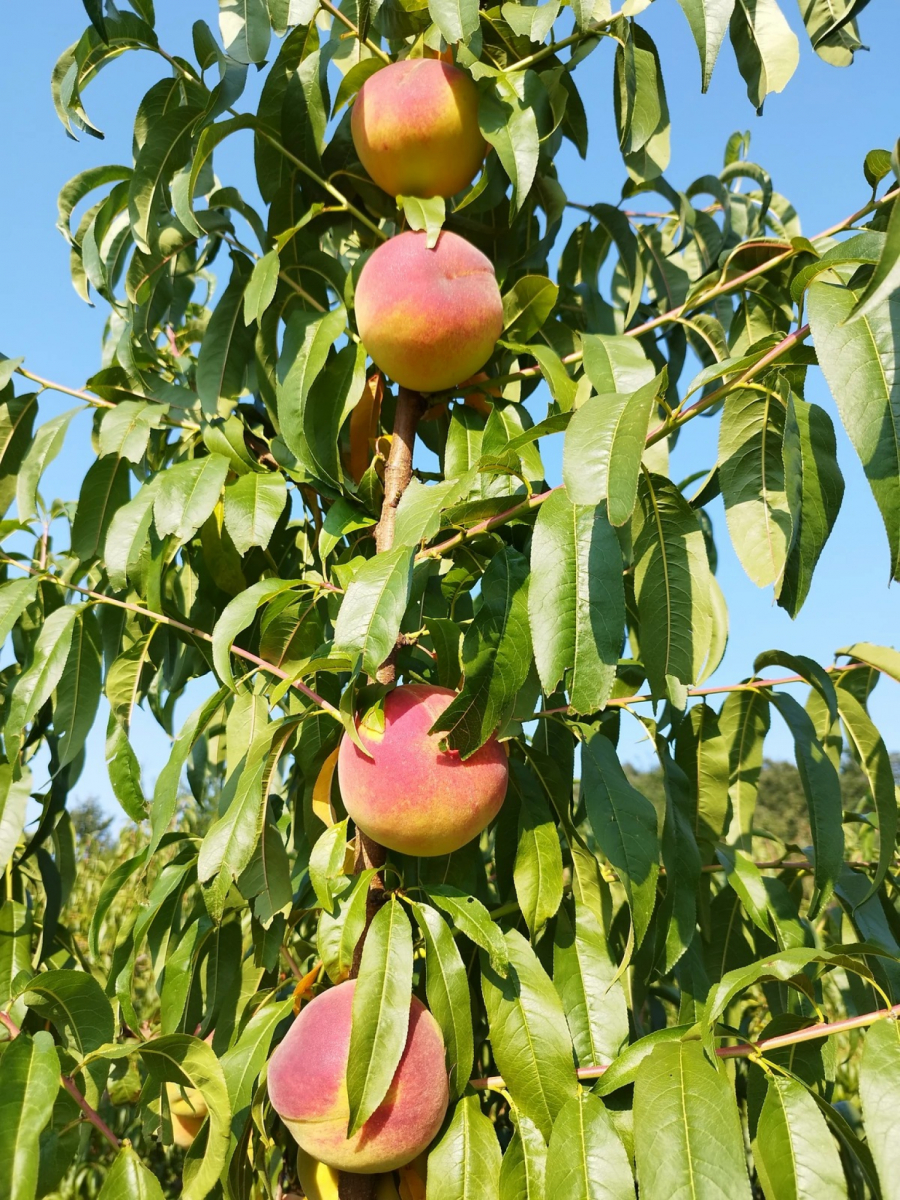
(812, 139)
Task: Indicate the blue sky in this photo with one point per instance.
(812, 139)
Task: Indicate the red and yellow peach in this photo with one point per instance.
(308, 1088)
(411, 796)
(428, 317)
(415, 128)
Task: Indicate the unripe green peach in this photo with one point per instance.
(411, 796)
(308, 1088)
(415, 128)
(428, 317)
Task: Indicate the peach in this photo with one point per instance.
(415, 128)
(411, 796)
(188, 1111)
(308, 1088)
(428, 318)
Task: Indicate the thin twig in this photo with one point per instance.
(336, 12)
(139, 609)
(749, 1049)
(50, 385)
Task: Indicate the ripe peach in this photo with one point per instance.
(411, 796)
(415, 128)
(308, 1088)
(428, 318)
(188, 1111)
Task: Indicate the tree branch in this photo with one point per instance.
(749, 1049)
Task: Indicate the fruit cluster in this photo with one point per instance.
(429, 317)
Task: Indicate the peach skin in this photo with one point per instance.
(308, 1088)
(428, 318)
(411, 796)
(415, 128)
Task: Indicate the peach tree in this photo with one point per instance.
(317, 542)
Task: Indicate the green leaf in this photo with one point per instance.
(35, 685)
(79, 688)
(586, 1160)
(470, 917)
(879, 1091)
(885, 279)
(752, 478)
(187, 494)
(232, 838)
(178, 1058)
(380, 1011)
(245, 29)
(465, 1163)
(163, 153)
(687, 1132)
(859, 361)
(823, 796)
(247, 1057)
(125, 430)
(576, 602)
(815, 490)
(253, 504)
(129, 1179)
(766, 48)
(625, 1068)
(447, 989)
(427, 215)
(524, 1167)
(307, 340)
(614, 363)
(168, 782)
(794, 1153)
(227, 346)
(369, 618)
(14, 796)
(506, 117)
(267, 879)
(17, 415)
(702, 753)
(872, 755)
(128, 532)
(105, 489)
(708, 20)
(129, 678)
(15, 597)
(538, 871)
(75, 1004)
(124, 771)
(527, 306)
(882, 658)
(326, 863)
(617, 227)
(744, 723)
(642, 112)
(625, 826)
(603, 448)
(529, 1036)
(260, 291)
(47, 444)
(30, 1087)
(337, 936)
(237, 615)
(585, 977)
(671, 580)
(496, 655)
(456, 19)
(16, 929)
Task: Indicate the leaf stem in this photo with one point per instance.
(69, 1084)
(189, 629)
(95, 401)
(748, 1050)
(580, 35)
(336, 12)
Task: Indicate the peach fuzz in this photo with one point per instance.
(415, 128)
(411, 796)
(308, 1088)
(428, 318)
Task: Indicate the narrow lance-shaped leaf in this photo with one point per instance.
(766, 48)
(35, 685)
(253, 504)
(794, 1153)
(586, 1159)
(79, 688)
(687, 1131)
(879, 1091)
(538, 871)
(524, 1168)
(447, 988)
(584, 975)
(373, 606)
(708, 20)
(380, 1011)
(187, 495)
(30, 1086)
(465, 1163)
(859, 360)
(227, 344)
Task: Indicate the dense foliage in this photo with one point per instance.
(608, 962)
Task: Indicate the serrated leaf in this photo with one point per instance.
(879, 1091)
(380, 1011)
(369, 618)
(585, 977)
(35, 685)
(127, 533)
(307, 341)
(523, 1171)
(447, 989)
(687, 1130)
(465, 1163)
(17, 415)
(163, 153)
(507, 121)
(529, 1036)
(794, 1153)
(586, 1159)
(614, 363)
(538, 870)
(253, 504)
(129, 1179)
(603, 448)
(237, 615)
(260, 290)
(859, 361)
(424, 215)
(227, 345)
(47, 443)
(14, 796)
(471, 918)
(625, 827)
(187, 494)
(30, 1087)
(245, 29)
(79, 688)
(106, 488)
(527, 306)
(766, 48)
(708, 20)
